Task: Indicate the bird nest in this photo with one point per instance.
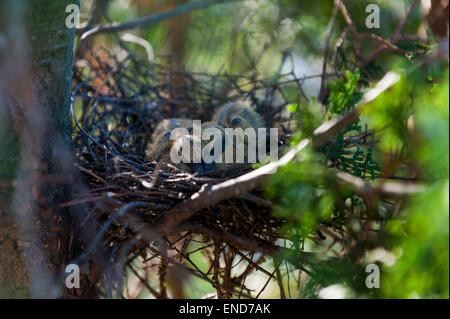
(117, 105)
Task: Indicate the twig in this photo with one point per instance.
(384, 189)
(386, 44)
(257, 200)
(90, 173)
(152, 19)
(325, 50)
(145, 283)
(99, 235)
(97, 11)
(280, 279)
(401, 25)
(251, 243)
(352, 28)
(338, 44)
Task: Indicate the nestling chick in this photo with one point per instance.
(239, 116)
(215, 139)
(168, 125)
(236, 115)
(179, 151)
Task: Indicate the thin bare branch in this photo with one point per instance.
(152, 19)
(386, 44)
(352, 28)
(383, 189)
(401, 25)
(325, 50)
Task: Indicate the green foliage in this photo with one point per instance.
(411, 121)
(299, 191)
(420, 238)
(344, 94)
(390, 113)
(304, 193)
(420, 242)
(432, 121)
(345, 152)
(308, 116)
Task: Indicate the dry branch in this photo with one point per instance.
(386, 44)
(326, 48)
(401, 25)
(249, 243)
(152, 19)
(383, 189)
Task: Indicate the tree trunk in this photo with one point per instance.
(36, 55)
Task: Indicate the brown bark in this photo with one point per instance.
(35, 80)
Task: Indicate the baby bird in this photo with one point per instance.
(163, 149)
(168, 125)
(237, 115)
(234, 115)
(215, 139)
(218, 147)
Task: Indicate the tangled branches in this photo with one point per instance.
(132, 200)
(165, 225)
